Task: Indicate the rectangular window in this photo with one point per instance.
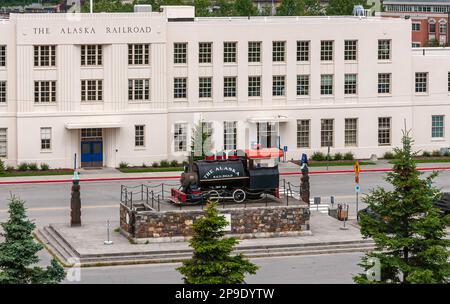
(351, 132)
(278, 51)
(44, 55)
(205, 87)
(180, 137)
(46, 138)
(421, 82)
(254, 51)
(437, 126)
(2, 55)
(3, 142)
(44, 91)
(230, 52)
(229, 86)
(180, 53)
(267, 134)
(384, 83)
(415, 27)
(384, 49)
(138, 54)
(442, 28)
(326, 84)
(327, 132)
(303, 50)
(350, 50)
(180, 88)
(432, 28)
(415, 44)
(92, 90)
(254, 86)
(302, 85)
(350, 84)
(303, 133)
(230, 135)
(205, 52)
(448, 82)
(384, 131)
(91, 55)
(138, 89)
(139, 137)
(326, 50)
(278, 85)
(2, 91)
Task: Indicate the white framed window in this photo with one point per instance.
(91, 133)
(431, 26)
(278, 85)
(44, 55)
(139, 136)
(229, 135)
(415, 26)
(254, 51)
(384, 83)
(44, 91)
(180, 137)
(46, 138)
(180, 52)
(91, 55)
(442, 27)
(384, 49)
(303, 48)
(415, 44)
(421, 85)
(138, 54)
(437, 126)
(229, 87)
(326, 84)
(180, 87)
(351, 132)
(254, 86)
(384, 131)
(350, 50)
(205, 52)
(278, 51)
(350, 84)
(3, 142)
(302, 85)
(327, 132)
(205, 87)
(2, 55)
(267, 134)
(138, 89)
(230, 52)
(92, 90)
(326, 50)
(3, 91)
(303, 133)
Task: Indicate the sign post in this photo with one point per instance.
(357, 169)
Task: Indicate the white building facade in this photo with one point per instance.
(111, 88)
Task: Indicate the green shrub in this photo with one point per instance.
(436, 153)
(2, 166)
(123, 165)
(164, 163)
(174, 163)
(33, 166)
(45, 167)
(446, 153)
(426, 154)
(318, 156)
(9, 168)
(155, 164)
(338, 156)
(144, 165)
(23, 167)
(349, 156)
(389, 155)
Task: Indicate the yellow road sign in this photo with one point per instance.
(356, 168)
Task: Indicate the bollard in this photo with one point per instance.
(131, 200)
(108, 241)
(332, 201)
(153, 199)
(162, 190)
(142, 192)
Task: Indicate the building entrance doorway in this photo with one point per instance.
(91, 148)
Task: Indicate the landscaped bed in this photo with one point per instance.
(333, 163)
(31, 169)
(149, 169)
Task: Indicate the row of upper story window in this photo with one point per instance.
(417, 8)
(139, 54)
(416, 26)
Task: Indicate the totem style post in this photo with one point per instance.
(75, 202)
(304, 180)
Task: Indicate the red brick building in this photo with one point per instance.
(429, 19)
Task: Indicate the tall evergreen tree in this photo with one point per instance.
(245, 8)
(408, 233)
(342, 7)
(19, 251)
(212, 262)
(291, 8)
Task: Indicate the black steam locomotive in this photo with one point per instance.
(238, 177)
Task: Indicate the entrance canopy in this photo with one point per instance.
(278, 118)
(93, 125)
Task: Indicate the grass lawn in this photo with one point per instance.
(338, 163)
(35, 173)
(430, 160)
(150, 169)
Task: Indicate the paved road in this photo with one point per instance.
(319, 269)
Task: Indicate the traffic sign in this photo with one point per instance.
(356, 168)
(356, 179)
(357, 188)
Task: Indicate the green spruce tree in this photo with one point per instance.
(245, 8)
(342, 7)
(212, 261)
(407, 230)
(291, 8)
(313, 8)
(18, 251)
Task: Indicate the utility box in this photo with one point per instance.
(142, 8)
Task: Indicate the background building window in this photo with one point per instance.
(448, 82)
(230, 135)
(327, 132)
(91, 55)
(326, 50)
(2, 91)
(180, 53)
(180, 137)
(46, 138)
(44, 55)
(384, 49)
(351, 132)
(442, 27)
(205, 52)
(278, 85)
(229, 87)
(437, 126)
(254, 51)
(384, 131)
(138, 89)
(44, 91)
(278, 51)
(179, 88)
(91, 90)
(3, 142)
(421, 82)
(302, 50)
(2, 55)
(303, 133)
(384, 83)
(205, 87)
(138, 54)
(230, 52)
(302, 85)
(254, 86)
(139, 136)
(350, 84)
(326, 84)
(350, 49)
(415, 27)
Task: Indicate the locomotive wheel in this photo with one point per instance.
(213, 196)
(239, 195)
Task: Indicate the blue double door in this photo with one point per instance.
(92, 154)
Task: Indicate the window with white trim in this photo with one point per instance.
(254, 86)
(326, 50)
(204, 52)
(415, 26)
(229, 86)
(326, 84)
(303, 133)
(139, 136)
(384, 131)
(350, 50)
(44, 55)
(205, 87)
(92, 90)
(180, 87)
(230, 52)
(350, 84)
(302, 85)
(180, 53)
(2, 91)
(278, 85)
(3, 142)
(442, 27)
(91, 55)
(384, 83)
(139, 54)
(384, 49)
(327, 132)
(254, 51)
(415, 44)
(421, 82)
(46, 138)
(351, 132)
(230, 135)
(2, 55)
(437, 126)
(44, 91)
(180, 137)
(278, 51)
(303, 50)
(138, 89)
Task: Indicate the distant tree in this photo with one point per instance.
(212, 261)
(313, 8)
(342, 7)
(226, 8)
(107, 6)
(202, 8)
(291, 8)
(19, 251)
(245, 8)
(201, 141)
